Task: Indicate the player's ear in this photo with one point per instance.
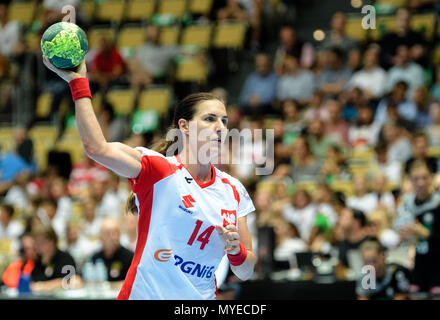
(183, 126)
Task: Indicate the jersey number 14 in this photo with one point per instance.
(203, 237)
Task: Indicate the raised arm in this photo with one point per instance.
(122, 159)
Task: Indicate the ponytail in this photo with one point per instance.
(130, 205)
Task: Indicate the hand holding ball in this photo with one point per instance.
(65, 45)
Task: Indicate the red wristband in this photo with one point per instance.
(239, 258)
(80, 88)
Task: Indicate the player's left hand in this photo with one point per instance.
(230, 237)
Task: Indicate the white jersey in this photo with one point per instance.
(178, 249)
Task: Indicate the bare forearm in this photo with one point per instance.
(88, 126)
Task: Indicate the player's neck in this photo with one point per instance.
(201, 172)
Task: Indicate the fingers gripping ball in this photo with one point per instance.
(64, 44)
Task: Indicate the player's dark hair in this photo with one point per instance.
(185, 109)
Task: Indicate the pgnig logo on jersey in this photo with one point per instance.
(163, 255)
(186, 266)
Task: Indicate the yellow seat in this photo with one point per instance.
(229, 35)
(6, 139)
(131, 37)
(73, 147)
(94, 35)
(384, 24)
(200, 6)
(169, 36)
(110, 10)
(32, 40)
(191, 70)
(41, 150)
(309, 186)
(97, 102)
(44, 134)
(88, 8)
(122, 100)
(175, 8)
(5, 246)
(44, 102)
(394, 3)
(22, 12)
(346, 187)
(139, 10)
(197, 36)
(434, 152)
(424, 23)
(158, 99)
(354, 29)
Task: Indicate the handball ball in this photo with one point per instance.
(64, 44)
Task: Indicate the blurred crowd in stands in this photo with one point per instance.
(356, 148)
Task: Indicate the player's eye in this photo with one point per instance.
(225, 121)
(210, 118)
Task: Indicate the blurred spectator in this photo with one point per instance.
(77, 245)
(433, 130)
(318, 140)
(403, 35)
(399, 147)
(379, 225)
(10, 35)
(50, 263)
(385, 199)
(84, 173)
(22, 267)
(371, 78)
(304, 165)
(420, 144)
(295, 83)
(333, 78)
(259, 88)
(422, 100)
(90, 223)
(335, 125)
(301, 212)
(335, 166)
(351, 233)
(293, 123)
(289, 45)
(233, 10)
(112, 127)
(18, 195)
(19, 159)
(337, 37)
(129, 231)
(107, 66)
(417, 221)
(117, 259)
(405, 70)
(392, 280)
(9, 228)
(315, 109)
(365, 131)
(392, 169)
(151, 61)
(287, 242)
(406, 108)
(362, 200)
(435, 88)
(108, 203)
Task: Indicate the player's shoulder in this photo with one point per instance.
(228, 179)
(151, 153)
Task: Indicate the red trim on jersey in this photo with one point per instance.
(234, 189)
(154, 169)
(202, 185)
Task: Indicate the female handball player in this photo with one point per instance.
(180, 202)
